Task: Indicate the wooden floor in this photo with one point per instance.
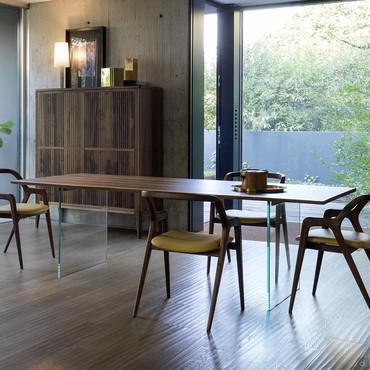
(84, 321)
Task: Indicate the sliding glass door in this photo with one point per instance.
(306, 82)
(210, 90)
(9, 94)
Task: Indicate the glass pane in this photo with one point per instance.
(81, 230)
(210, 92)
(9, 95)
(210, 96)
(305, 94)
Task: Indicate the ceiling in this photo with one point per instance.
(21, 3)
(258, 2)
(24, 3)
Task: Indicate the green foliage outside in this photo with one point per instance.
(210, 94)
(312, 75)
(5, 129)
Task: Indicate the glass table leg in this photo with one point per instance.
(279, 289)
(82, 230)
(59, 269)
(268, 245)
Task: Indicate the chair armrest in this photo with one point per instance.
(331, 213)
(36, 191)
(309, 222)
(231, 175)
(325, 223)
(233, 221)
(11, 199)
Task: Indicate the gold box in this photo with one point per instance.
(111, 77)
(130, 69)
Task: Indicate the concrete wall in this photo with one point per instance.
(296, 154)
(154, 31)
(9, 92)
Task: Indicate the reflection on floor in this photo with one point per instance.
(84, 320)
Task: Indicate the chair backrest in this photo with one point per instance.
(352, 211)
(271, 175)
(150, 196)
(15, 174)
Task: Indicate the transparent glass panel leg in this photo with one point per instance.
(268, 245)
(285, 223)
(60, 231)
(82, 230)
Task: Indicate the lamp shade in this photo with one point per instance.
(61, 55)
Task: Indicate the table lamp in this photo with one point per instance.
(61, 59)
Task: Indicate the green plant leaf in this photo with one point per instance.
(7, 124)
(5, 131)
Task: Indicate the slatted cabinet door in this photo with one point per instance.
(50, 136)
(103, 131)
(109, 140)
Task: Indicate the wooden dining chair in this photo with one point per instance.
(161, 239)
(18, 211)
(331, 238)
(259, 219)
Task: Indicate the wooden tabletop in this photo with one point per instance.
(222, 189)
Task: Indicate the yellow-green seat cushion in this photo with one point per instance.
(25, 209)
(249, 217)
(186, 242)
(352, 238)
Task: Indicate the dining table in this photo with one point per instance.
(291, 193)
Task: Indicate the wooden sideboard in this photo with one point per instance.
(104, 131)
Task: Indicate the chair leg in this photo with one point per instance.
(142, 278)
(9, 240)
(228, 255)
(356, 275)
(320, 255)
(167, 271)
(37, 221)
(211, 228)
(239, 261)
(18, 242)
(208, 264)
(50, 231)
(297, 273)
(367, 251)
(220, 266)
(286, 240)
(277, 251)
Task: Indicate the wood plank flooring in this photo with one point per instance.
(84, 321)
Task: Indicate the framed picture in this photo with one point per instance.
(87, 56)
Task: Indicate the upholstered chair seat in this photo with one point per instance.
(353, 239)
(25, 209)
(249, 217)
(186, 242)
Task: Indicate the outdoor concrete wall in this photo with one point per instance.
(154, 31)
(296, 154)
